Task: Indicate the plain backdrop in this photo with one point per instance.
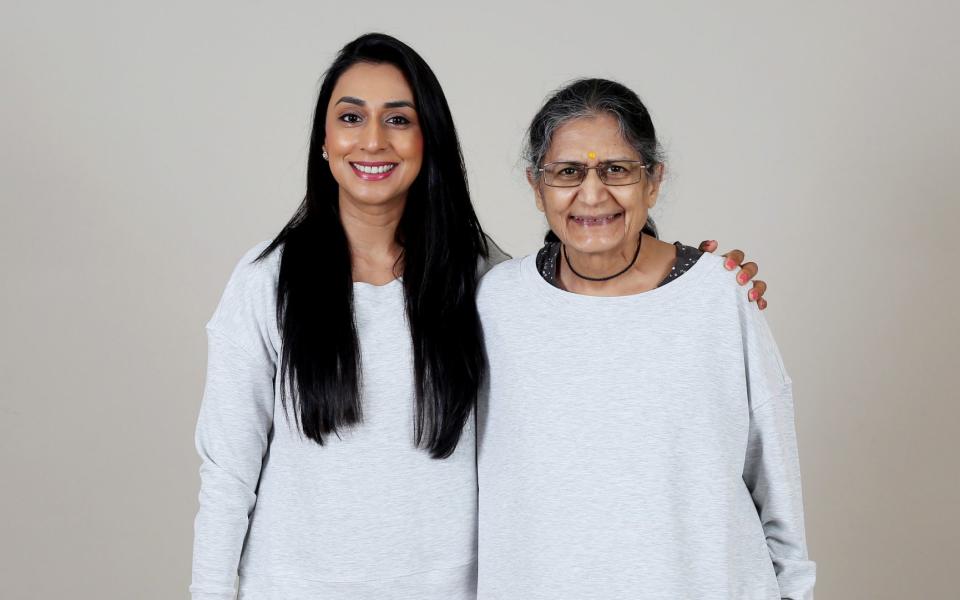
(145, 146)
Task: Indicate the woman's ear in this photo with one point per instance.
(535, 186)
(653, 185)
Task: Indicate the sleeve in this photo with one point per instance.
(771, 467)
(233, 430)
(772, 474)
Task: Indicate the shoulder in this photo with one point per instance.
(712, 262)
(713, 274)
(251, 290)
(500, 282)
(256, 274)
(731, 309)
(495, 256)
(253, 268)
(767, 374)
(722, 289)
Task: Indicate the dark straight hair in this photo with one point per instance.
(441, 242)
(585, 98)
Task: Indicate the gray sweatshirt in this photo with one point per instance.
(636, 447)
(366, 516)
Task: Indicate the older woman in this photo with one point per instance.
(638, 440)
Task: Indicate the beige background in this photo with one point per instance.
(146, 146)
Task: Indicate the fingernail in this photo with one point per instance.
(742, 277)
(731, 263)
(753, 294)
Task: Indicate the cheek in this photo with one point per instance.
(338, 141)
(556, 206)
(632, 202)
(409, 146)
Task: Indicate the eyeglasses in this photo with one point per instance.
(572, 174)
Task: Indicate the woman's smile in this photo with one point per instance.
(596, 220)
(373, 171)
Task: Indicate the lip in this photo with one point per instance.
(596, 220)
(354, 164)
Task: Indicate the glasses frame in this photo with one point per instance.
(600, 165)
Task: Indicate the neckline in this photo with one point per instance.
(531, 276)
(366, 284)
(551, 251)
(363, 289)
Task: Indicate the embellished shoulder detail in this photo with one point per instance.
(547, 263)
(687, 256)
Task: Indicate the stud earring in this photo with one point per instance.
(325, 155)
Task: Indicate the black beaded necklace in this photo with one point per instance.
(566, 257)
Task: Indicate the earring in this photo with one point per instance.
(325, 155)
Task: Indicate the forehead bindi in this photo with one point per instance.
(373, 84)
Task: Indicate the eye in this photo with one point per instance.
(621, 171)
(350, 118)
(568, 171)
(398, 120)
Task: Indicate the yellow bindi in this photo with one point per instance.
(591, 155)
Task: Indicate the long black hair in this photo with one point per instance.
(587, 98)
(441, 242)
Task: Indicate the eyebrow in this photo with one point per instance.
(580, 162)
(391, 104)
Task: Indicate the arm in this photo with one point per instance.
(771, 470)
(231, 437)
(235, 421)
(772, 474)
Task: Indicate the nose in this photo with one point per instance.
(592, 190)
(373, 137)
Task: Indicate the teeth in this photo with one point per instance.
(595, 220)
(373, 170)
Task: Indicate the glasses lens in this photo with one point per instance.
(571, 174)
(622, 173)
(563, 174)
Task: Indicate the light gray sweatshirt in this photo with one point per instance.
(367, 516)
(636, 447)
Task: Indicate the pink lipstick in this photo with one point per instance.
(373, 171)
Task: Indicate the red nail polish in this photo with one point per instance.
(742, 277)
(753, 294)
(730, 263)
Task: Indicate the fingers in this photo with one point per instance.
(747, 272)
(734, 258)
(708, 246)
(758, 290)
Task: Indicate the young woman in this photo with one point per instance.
(336, 430)
(638, 438)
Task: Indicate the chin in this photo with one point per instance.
(596, 243)
(373, 197)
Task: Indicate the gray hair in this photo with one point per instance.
(586, 98)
